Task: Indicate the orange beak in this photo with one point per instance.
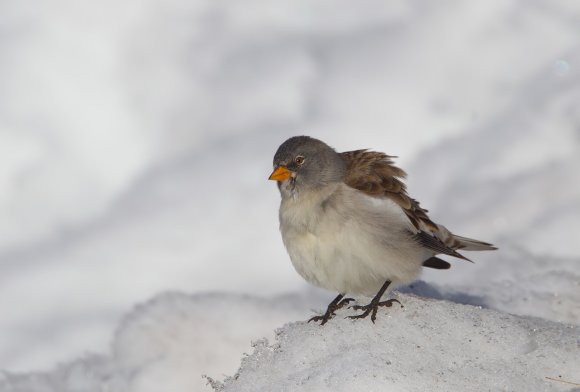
(281, 173)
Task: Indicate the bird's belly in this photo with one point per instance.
(348, 261)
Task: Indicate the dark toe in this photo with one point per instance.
(344, 302)
(390, 302)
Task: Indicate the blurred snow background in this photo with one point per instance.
(136, 139)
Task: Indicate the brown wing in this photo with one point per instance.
(375, 174)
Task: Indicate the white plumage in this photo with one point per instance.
(341, 239)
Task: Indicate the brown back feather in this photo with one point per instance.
(375, 174)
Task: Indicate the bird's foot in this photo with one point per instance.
(372, 309)
(331, 310)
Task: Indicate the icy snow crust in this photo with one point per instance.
(428, 345)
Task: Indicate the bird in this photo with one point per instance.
(349, 225)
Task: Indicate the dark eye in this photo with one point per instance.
(299, 159)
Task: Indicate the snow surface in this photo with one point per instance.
(166, 344)
(427, 345)
(136, 139)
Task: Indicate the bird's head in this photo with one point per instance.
(304, 163)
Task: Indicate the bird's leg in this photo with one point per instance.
(336, 304)
(374, 305)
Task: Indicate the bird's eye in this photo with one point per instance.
(299, 159)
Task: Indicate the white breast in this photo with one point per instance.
(343, 240)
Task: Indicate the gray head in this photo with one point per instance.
(304, 163)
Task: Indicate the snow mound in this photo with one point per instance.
(167, 344)
(427, 345)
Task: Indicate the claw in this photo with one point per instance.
(318, 318)
(374, 305)
(335, 305)
(344, 302)
(372, 309)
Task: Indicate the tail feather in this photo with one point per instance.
(457, 242)
(465, 243)
(436, 263)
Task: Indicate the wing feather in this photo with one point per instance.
(375, 174)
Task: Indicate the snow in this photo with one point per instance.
(427, 345)
(136, 139)
(427, 342)
(166, 343)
